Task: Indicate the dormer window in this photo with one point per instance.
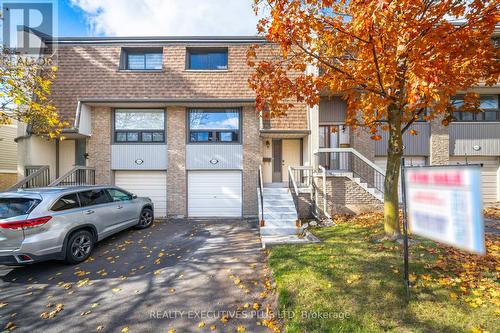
(206, 58)
(137, 59)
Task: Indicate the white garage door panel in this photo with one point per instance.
(151, 184)
(214, 194)
(489, 174)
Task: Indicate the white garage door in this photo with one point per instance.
(489, 174)
(151, 184)
(214, 194)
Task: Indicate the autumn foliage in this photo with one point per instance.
(25, 94)
(392, 61)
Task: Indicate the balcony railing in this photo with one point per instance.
(78, 176)
(348, 160)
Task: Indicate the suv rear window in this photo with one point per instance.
(10, 207)
(69, 201)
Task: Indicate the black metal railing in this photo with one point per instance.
(348, 160)
(35, 176)
(78, 176)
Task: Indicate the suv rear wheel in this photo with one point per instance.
(80, 245)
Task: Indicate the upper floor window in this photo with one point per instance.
(214, 125)
(142, 59)
(207, 58)
(139, 126)
(488, 105)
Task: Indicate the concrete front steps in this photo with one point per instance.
(280, 218)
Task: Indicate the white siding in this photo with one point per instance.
(214, 194)
(129, 157)
(489, 174)
(214, 156)
(152, 184)
(8, 148)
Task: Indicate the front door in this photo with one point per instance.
(277, 161)
(290, 156)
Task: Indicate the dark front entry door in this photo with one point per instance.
(277, 158)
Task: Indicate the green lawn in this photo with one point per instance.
(354, 281)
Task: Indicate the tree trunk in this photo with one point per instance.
(394, 153)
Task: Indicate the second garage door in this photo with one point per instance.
(214, 194)
(152, 184)
(489, 174)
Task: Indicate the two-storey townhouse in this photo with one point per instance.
(171, 118)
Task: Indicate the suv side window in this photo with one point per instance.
(69, 201)
(118, 195)
(94, 197)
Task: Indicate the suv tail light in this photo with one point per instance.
(26, 223)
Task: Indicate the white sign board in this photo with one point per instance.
(445, 204)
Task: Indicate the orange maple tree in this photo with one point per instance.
(393, 61)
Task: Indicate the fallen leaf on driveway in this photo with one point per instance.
(99, 328)
(124, 330)
(10, 326)
(3, 305)
(171, 330)
(51, 314)
(115, 290)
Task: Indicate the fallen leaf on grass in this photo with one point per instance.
(353, 278)
(212, 327)
(201, 325)
(241, 329)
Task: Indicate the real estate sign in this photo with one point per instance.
(445, 204)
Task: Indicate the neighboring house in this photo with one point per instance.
(8, 156)
(173, 118)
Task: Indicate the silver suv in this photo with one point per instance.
(65, 222)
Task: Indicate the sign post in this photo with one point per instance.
(406, 273)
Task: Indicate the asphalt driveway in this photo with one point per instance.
(187, 276)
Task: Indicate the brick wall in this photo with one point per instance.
(92, 72)
(344, 196)
(7, 180)
(99, 145)
(439, 143)
(176, 173)
(252, 157)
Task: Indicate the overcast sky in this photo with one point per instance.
(156, 17)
